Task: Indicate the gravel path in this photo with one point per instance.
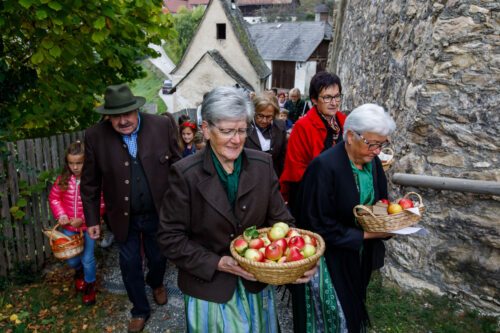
(168, 318)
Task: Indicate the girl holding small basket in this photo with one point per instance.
(66, 206)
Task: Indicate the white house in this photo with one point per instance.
(221, 53)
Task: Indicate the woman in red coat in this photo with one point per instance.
(318, 130)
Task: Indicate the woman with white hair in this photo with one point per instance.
(334, 183)
(212, 198)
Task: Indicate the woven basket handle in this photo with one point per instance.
(421, 204)
(366, 209)
(54, 228)
(388, 149)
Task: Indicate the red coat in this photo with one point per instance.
(306, 141)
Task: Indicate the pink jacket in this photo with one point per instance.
(69, 202)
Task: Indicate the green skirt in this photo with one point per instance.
(244, 312)
(323, 310)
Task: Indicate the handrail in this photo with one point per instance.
(447, 183)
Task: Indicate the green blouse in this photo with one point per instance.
(364, 183)
(229, 181)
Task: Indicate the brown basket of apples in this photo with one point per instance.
(64, 247)
(277, 255)
(387, 158)
(389, 216)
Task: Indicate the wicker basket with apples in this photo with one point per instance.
(64, 247)
(277, 255)
(389, 216)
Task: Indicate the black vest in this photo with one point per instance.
(141, 200)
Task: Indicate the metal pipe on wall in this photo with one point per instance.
(447, 183)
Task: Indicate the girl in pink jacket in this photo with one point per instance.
(66, 206)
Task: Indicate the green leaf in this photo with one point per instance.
(37, 58)
(98, 36)
(26, 3)
(47, 43)
(41, 14)
(100, 22)
(55, 5)
(19, 215)
(22, 202)
(55, 51)
(250, 233)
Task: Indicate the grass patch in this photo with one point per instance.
(396, 311)
(52, 305)
(150, 85)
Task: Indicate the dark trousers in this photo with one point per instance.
(131, 262)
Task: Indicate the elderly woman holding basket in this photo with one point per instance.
(213, 197)
(334, 183)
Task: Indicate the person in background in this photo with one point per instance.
(182, 119)
(295, 105)
(335, 182)
(274, 91)
(199, 141)
(128, 158)
(213, 197)
(284, 116)
(66, 206)
(281, 100)
(268, 133)
(318, 130)
(188, 130)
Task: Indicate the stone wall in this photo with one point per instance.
(435, 66)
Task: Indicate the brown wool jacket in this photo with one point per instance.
(197, 222)
(107, 167)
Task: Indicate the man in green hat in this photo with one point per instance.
(127, 157)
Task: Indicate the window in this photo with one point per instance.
(221, 31)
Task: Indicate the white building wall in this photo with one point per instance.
(304, 71)
(204, 77)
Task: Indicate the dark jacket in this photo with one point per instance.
(328, 194)
(197, 223)
(296, 110)
(107, 166)
(278, 144)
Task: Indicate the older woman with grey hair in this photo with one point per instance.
(334, 183)
(213, 197)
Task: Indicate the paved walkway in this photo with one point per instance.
(168, 318)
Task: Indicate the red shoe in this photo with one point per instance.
(79, 281)
(89, 294)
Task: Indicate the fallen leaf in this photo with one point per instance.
(13, 317)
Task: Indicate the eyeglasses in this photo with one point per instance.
(230, 133)
(262, 117)
(374, 146)
(328, 98)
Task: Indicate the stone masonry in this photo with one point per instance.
(435, 66)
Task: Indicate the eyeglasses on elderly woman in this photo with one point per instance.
(372, 145)
(230, 133)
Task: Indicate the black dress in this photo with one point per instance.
(328, 193)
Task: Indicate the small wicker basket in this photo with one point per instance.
(383, 223)
(280, 273)
(386, 164)
(69, 249)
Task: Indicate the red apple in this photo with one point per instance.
(308, 250)
(263, 250)
(405, 203)
(292, 233)
(281, 242)
(273, 252)
(240, 245)
(297, 241)
(282, 225)
(254, 255)
(386, 201)
(310, 240)
(256, 243)
(276, 233)
(294, 255)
